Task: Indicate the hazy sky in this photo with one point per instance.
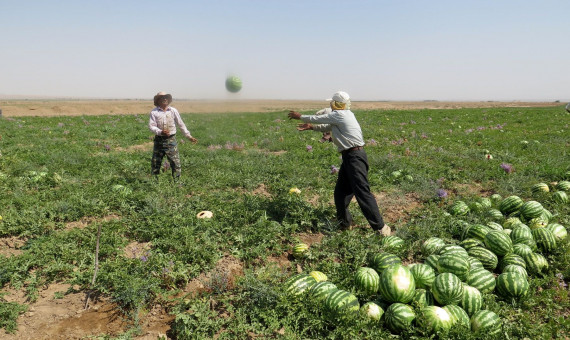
(374, 50)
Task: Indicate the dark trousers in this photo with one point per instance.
(353, 181)
(166, 146)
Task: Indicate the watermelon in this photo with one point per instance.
(392, 243)
(485, 202)
(510, 204)
(321, 290)
(496, 199)
(515, 268)
(432, 246)
(233, 84)
(451, 263)
(472, 300)
(399, 317)
(535, 263)
(495, 226)
(537, 222)
(531, 209)
(521, 249)
(319, 276)
(486, 323)
(487, 257)
(521, 232)
(459, 208)
(432, 261)
(494, 215)
(300, 250)
(498, 242)
(474, 263)
(546, 215)
(397, 284)
(340, 302)
(422, 298)
(384, 260)
(372, 311)
(447, 289)
(560, 197)
(458, 315)
(545, 239)
(298, 284)
(511, 258)
(558, 230)
(511, 222)
(452, 249)
(512, 285)
(478, 231)
(539, 189)
(563, 186)
(469, 243)
(423, 275)
(529, 242)
(367, 280)
(432, 319)
(475, 206)
(481, 279)
(507, 232)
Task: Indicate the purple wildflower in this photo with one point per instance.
(479, 128)
(60, 125)
(441, 193)
(144, 258)
(424, 135)
(372, 142)
(309, 148)
(107, 147)
(507, 167)
(334, 170)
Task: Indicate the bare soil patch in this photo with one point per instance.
(10, 246)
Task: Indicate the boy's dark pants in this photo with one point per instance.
(353, 181)
(168, 146)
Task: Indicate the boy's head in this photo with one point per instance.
(340, 101)
(159, 97)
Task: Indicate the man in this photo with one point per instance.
(352, 178)
(163, 121)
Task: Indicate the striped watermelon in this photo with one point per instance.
(546, 215)
(451, 263)
(397, 284)
(498, 242)
(485, 202)
(474, 263)
(486, 323)
(495, 226)
(510, 204)
(399, 317)
(521, 232)
(539, 189)
(321, 290)
(563, 185)
(371, 311)
(392, 243)
(432, 246)
(511, 222)
(521, 249)
(545, 239)
(535, 263)
(423, 275)
(340, 302)
(422, 298)
(367, 280)
(531, 209)
(475, 206)
(319, 276)
(515, 269)
(560, 197)
(529, 242)
(432, 319)
(432, 261)
(452, 249)
(511, 258)
(472, 300)
(507, 232)
(300, 250)
(512, 285)
(298, 284)
(478, 231)
(558, 230)
(459, 208)
(447, 289)
(469, 243)
(494, 215)
(496, 199)
(487, 257)
(481, 279)
(459, 316)
(384, 260)
(537, 222)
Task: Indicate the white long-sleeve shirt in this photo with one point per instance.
(346, 132)
(166, 120)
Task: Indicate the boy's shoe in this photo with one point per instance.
(385, 231)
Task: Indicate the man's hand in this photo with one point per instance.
(304, 126)
(193, 140)
(294, 115)
(165, 133)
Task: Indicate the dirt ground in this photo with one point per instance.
(19, 108)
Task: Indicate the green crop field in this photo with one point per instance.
(58, 171)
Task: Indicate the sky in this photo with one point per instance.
(480, 50)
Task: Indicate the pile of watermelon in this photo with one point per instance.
(494, 256)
